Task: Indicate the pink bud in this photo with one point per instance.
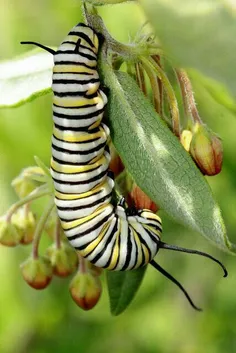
(140, 200)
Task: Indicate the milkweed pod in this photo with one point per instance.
(24, 221)
(64, 259)
(206, 149)
(25, 182)
(9, 235)
(85, 290)
(94, 270)
(37, 272)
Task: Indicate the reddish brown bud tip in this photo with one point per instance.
(116, 165)
(64, 259)
(140, 200)
(37, 272)
(85, 290)
(207, 150)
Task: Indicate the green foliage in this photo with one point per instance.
(200, 37)
(25, 78)
(197, 34)
(122, 288)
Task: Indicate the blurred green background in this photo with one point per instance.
(159, 319)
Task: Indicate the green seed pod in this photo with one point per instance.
(85, 290)
(64, 260)
(9, 235)
(206, 150)
(37, 272)
(24, 221)
(25, 183)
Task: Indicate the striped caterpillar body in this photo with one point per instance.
(110, 236)
(106, 235)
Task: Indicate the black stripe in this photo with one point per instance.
(77, 208)
(69, 94)
(75, 63)
(109, 239)
(89, 230)
(79, 82)
(85, 128)
(82, 116)
(83, 182)
(129, 251)
(83, 153)
(80, 107)
(81, 46)
(83, 36)
(85, 55)
(71, 72)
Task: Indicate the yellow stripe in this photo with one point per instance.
(76, 102)
(139, 251)
(73, 68)
(153, 230)
(77, 136)
(95, 242)
(80, 221)
(72, 169)
(61, 196)
(115, 253)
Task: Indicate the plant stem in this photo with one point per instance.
(58, 233)
(140, 78)
(35, 194)
(107, 2)
(40, 227)
(155, 88)
(187, 95)
(150, 64)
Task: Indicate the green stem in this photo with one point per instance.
(155, 88)
(40, 227)
(140, 78)
(128, 52)
(58, 233)
(150, 64)
(37, 193)
(107, 2)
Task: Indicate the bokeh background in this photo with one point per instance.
(159, 319)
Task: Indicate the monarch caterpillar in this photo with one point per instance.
(110, 236)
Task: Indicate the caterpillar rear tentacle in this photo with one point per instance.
(110, 236)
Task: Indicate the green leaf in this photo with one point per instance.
(197, 34)
(25, 78)
(158, 162)
(122, 287)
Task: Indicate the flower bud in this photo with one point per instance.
(85, 290)
(24, 184)
(185, 139)
(64, 260)
(206, 149)
(37, 272)
(24, 222)
(9, 236)
(140, 200)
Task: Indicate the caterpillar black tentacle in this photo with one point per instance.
(110, 236)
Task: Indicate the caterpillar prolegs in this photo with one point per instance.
(110, 236)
